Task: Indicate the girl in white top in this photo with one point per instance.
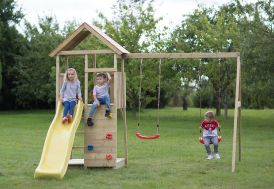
(69, 93)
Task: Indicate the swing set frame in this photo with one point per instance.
(218, 55)
(120, 55)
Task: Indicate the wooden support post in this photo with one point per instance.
(86, 82)
(124, 117)
(67, 63)
(239, 135)
(123, 111)
(86, 92)
(236, 114)
(57, 79)
(239, 119)
(94, 61)
(94, 67)
(115, 61)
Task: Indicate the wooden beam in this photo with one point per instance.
(182, 55)
(67, 63)
(94, 61)
(94, 66)
(236, 115)
(124, 112)
(83, 52)
(239, 122)
(106, 39)
(86, 83)
(124, 117)
(124, 92)
(100, 70)
(66, 41)
(115, 61)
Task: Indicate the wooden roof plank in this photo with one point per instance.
(78, 39)
(62, 46)
(81, 33)
(106, 40)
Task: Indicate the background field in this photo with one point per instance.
(176, 160)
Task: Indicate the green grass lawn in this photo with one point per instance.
(176, 160)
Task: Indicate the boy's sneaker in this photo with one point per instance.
(64, 120)
(69, 118)
(108, 114)
(209, 157)
(89, 121)
(217, 156)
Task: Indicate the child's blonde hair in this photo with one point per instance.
(209, 114)
(66, 74)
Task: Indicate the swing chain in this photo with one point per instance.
(200, 87)
(140, 93)
(159, 96)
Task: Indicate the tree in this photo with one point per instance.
(11, 46)
(35, 81)
(257, 54)
(209, 30)
(134, 27)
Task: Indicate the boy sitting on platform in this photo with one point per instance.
(100, 96)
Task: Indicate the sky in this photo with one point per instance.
(86, 10)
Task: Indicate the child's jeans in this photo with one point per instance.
(68, 106)
(104, 100)
(214, 140)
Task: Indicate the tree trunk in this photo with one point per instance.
(225, 107)
(0, 75)
(218, 103)
(185, 103)
(1, 81)
(175, 100)
(134, 108)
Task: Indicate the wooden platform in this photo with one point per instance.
(120, 162)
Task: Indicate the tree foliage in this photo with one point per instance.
(134, 27)
(27, 73)
(36, 70)
(11, 46)
(257, 38)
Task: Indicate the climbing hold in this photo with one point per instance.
(109, 136)
(109, 156)
(90, 147)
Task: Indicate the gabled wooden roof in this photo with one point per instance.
(81, 33)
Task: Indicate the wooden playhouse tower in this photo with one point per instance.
(100, 140)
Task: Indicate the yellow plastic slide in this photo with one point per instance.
(58, 144)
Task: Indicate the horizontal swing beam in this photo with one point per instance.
(182, 55)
